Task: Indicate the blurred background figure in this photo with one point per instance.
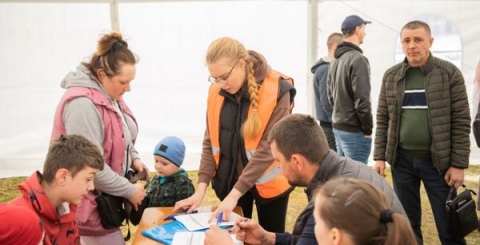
(323, 109)
(20, 226)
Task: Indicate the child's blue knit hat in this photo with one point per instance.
(171, 148)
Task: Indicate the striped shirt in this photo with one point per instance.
(415, 137)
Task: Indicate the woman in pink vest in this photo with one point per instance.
(92, 106)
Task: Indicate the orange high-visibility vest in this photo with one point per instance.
(272, 183)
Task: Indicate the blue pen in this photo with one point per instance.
(172, 217)
(219, 218)
(235, 226)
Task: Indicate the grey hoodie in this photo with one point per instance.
(81, 117)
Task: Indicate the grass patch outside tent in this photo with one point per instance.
(297, 201)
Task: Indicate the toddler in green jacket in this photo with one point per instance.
(171, 183)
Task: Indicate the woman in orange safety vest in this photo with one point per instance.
(246, 98)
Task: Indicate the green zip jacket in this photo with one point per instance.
(448, 112)
(174, 188)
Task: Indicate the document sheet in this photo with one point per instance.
(199, 221)
(195, 238)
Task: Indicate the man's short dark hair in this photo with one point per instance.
(412, 25)
(299, 134)
(334, 38)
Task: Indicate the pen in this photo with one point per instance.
(172, 216)
(219, 218)
(235, 226)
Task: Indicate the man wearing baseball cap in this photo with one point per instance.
(349, 93)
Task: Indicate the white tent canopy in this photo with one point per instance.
(42, 41)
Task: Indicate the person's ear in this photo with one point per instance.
(61, 176)
(101, 75)
(334, 46)
(242, 63)
(297, 161)
(357, 29)
(336, 236)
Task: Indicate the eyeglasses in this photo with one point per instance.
(222, 80)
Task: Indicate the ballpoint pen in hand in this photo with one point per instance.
(235, 225)
(172, 216)
(219, 218)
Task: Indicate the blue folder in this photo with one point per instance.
(164, 233)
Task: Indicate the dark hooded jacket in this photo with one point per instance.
(349, 90)
(323, 108)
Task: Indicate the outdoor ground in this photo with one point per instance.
(8, 190)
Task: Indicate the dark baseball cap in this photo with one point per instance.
(351, 22)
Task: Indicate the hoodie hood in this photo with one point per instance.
(32, 190)
(322, 61)
(345, 47)
(82, 77)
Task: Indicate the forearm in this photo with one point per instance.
(262, 159)
(110, 182)
(201, 189)
(133, 154)
(207, 163)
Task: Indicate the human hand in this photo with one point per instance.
(189, 204)
(226, 207)
(379, 167)
(454, 177)
(138, 196)
(368, 136)
(252, 233)
(214, 235)
(139, 167)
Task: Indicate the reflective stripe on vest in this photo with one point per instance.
(272, 183)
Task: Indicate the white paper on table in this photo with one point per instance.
(199, 221)
(195, 238)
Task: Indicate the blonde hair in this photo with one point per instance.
(234, 51)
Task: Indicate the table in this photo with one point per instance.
(154, 217)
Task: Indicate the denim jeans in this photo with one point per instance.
(407, 174)
(353, 145)
(330, 138)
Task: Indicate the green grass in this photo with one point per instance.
(298, 200)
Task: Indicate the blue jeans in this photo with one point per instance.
(353, 145)
(407, 174)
